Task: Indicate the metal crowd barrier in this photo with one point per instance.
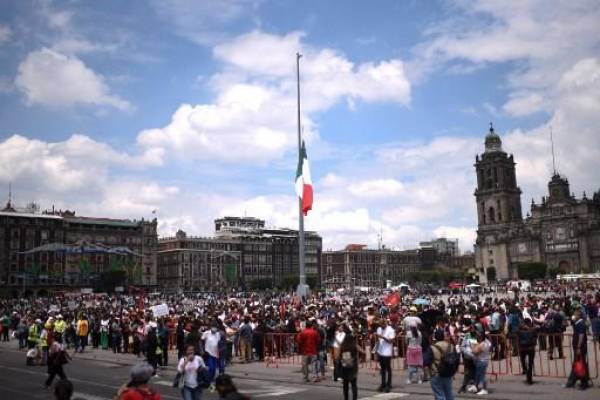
(282, 348)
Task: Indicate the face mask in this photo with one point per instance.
(213, 330)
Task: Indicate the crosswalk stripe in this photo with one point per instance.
(87, 396)
(385, 396)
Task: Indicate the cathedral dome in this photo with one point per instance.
(492, 141)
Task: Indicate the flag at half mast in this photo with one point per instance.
(304, 188)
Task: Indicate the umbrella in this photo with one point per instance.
(421, 302)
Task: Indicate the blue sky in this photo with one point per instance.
(188, 108)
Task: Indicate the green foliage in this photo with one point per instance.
(261, 284)
(434, 276)
(532, 270)
(553, 271)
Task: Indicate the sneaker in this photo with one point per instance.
(212, 388)
(408, 381)
(388, 389)
(472, 389)
(482, 392)
(380, 389)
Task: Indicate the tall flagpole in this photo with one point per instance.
(302, 289)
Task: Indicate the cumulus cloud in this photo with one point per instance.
(253, 116)
(53, 79)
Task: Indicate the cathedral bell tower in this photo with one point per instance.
(498, 196)
(498, 200)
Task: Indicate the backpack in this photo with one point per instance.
(346, 360)
(448, 363)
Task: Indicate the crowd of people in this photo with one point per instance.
(210, 332)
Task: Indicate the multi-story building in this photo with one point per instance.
(243, 253)
(443, 246)
(46, 268)
(357, 265)
(562, 231)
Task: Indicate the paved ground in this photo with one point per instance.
(97, 375)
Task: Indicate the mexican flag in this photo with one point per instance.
(304, 188)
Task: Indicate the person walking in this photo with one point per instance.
(527, 336)
(385, 335)
(308, 342)
(57, 358)
(211, 339)
(348, 363)
(189, 366)
(152, 348)
(441, 374)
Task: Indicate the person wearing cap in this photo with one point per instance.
(137, 388)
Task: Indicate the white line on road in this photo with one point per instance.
(385, 396)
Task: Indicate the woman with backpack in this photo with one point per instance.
(347, 363)
(444, 364)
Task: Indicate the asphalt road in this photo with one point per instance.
(100, 379)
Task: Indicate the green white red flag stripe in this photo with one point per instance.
(304, 188)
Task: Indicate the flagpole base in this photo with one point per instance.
(303, 290)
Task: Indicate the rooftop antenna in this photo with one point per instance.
(553, 158)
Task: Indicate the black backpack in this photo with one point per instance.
(448, 363)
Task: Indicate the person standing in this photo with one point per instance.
(152, 346)
(338, 339)
(245, 334)
(60, 326)
(33, 334)
(481, 353)
(57, 358)
(189, 365)
(82, 332)
(104, 323)
(308, 342)
(5, 327)
(385, 335)
(441, 383)
(580, 351)
(348, 364)
(466, 348)
(527, 336)
(414, 355)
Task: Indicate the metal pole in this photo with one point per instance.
(302, 287)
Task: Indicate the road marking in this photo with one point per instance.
(162, 383)
(276, 391)
(87, 396)
(385, 396)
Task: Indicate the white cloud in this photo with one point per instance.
(521, 104)
(53, 79)
(376, 188)
(466, 235)
(252, 118)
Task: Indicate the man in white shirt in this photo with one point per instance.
(385, 350)
(211, 340)
(411, 319)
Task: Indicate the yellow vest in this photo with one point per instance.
(59, 326)
(33, 333)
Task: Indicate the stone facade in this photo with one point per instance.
(21, 231)
(242, 252)
(561, 231)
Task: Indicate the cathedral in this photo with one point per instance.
(561, 231)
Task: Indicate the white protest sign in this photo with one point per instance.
(54, 308)
(160, 310)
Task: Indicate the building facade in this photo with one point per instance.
(356, 265)
(242, 254)
(22, 231)
(561, 231)
(443, 246)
